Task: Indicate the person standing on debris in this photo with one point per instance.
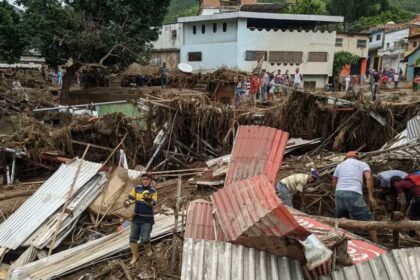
(348, 184)
(144, 197)
(266, 85)
(253, 88)
(293, 184)
(164, 76)
(347, 80)
(238, 91)
(297, 79)
(396, 79)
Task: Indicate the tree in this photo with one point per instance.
(341, 59)
(392, 14)
(352, 10)
(310, 7)
(12, 42)
(109, 34)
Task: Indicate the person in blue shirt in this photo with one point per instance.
(144, 197)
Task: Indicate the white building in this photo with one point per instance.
(238, 40)
(394, 47)
(168, 45)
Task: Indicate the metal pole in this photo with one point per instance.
(175, 232)
(69, 107)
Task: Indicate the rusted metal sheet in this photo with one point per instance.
(257, 150)
(250, 210)
(359, 249)
(201, 223)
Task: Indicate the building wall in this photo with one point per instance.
(218, 49)
(295, 41)
(350, 44)
(392, 52)
(411, 65)
(209, 36)
(167, 40)
(376, 42)
(171, 58)
(214, 56)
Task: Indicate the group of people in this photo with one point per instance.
(263, 86)
(55, 76)
(348, 182)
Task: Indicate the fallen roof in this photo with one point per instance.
(402, 264)
(203, 259)
(250, 209)
(45, 202)
(201, 223)
(88, 253)
(274, 16)
(257, 150)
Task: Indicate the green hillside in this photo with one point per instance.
(179, 8)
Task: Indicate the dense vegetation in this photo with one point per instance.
(359, 14)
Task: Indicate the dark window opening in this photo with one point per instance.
(361, 43)
(174, 35)
(339, 42)
(214, 27)
(285, 57)
(194, 56)
(255, 55)
(194, 29)
(283, 24)
(378, 37)
(224, 27)
(317, 57)
(203, 29)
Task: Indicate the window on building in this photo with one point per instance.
(387, 45)
(414, 44)
(195, 56)
(378, 37)
(194, 29)
(224, 27)
(309, 85)
(203, 28)
(338, 42)
(361, 43)
(214, 27)
(285, 57)
(255, 55)
(370, 39)
(173, 35)
(317, 57)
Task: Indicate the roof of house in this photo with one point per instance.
(263, 7)
(255, 15)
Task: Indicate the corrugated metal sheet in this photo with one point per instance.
(79, 203)
(201, 223)
(359, 249)
(44, 202)
(250, 208)
(402, 264)
(211, 260)
(413, 128)
(257, 150)
(76, 257)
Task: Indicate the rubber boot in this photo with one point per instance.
(135, 252)
(148, 249)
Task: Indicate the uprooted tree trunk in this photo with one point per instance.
(370, 225)
(68, 80)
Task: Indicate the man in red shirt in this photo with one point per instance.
(411, 185)
(253, 88)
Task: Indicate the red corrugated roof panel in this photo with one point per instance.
(201, 223)
(250, 208)
(360, 250)
(257, 150)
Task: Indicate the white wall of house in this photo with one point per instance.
(377, 40)
(209, 36)
(393, 51)
(353, 44)
(170, 37)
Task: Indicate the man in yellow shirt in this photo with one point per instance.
(145, 197)
(293, 184)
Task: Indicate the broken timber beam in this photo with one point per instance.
(369, 225)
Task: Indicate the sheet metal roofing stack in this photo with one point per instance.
(257, 150)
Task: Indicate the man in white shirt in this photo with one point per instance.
(347, 80)
(396, 79)
(297, 79)
(348, 184)
(293, 184)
